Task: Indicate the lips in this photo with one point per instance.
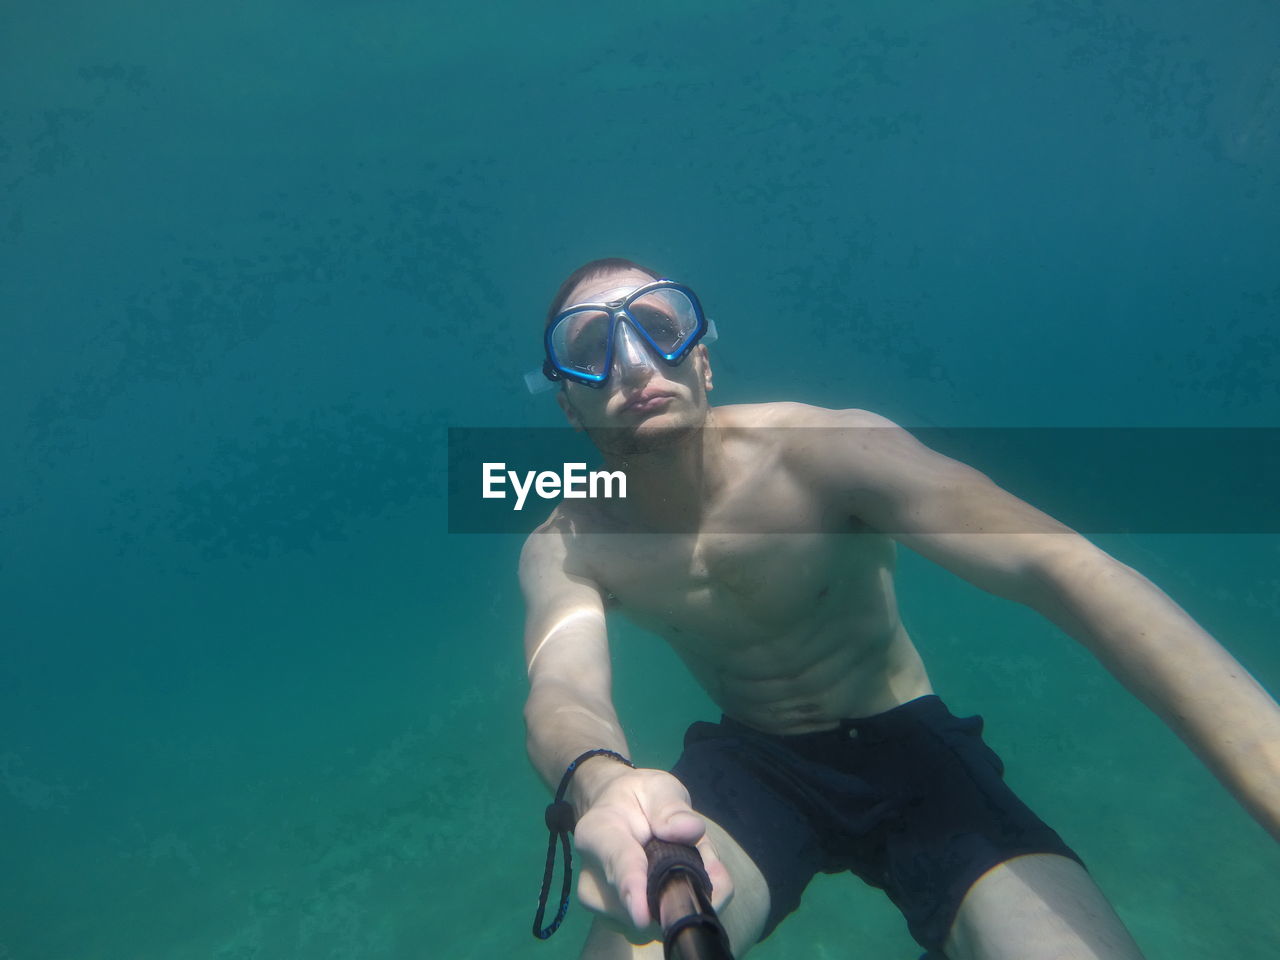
(647, 401)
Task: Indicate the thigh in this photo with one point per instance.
(959, 821)
(743, 916)
(1038, 906)
(737, 789)
(605, 943)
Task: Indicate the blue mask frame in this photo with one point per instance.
(618, 311)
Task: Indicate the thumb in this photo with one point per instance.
(679, 825)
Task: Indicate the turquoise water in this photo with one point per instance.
(256, 702)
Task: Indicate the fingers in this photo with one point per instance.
(632, 882)
(614, 880)
(604, 900)
(615, 871)
(674, 820)
(717, 872)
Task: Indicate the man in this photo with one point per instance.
(762, 549)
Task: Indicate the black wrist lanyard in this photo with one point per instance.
(560, 821)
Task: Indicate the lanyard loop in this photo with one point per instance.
(560, 822)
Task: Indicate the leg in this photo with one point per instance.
(743, 916)
(1038, 907)
(604, 943)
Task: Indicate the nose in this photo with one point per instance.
(633, 361)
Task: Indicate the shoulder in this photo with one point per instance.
(550, 544)
(559, 546)
(807, 433)
(792, 414)
(812, 437)
(841, 451)
(849, 448)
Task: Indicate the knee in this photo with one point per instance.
(746, 913)
(606, 943)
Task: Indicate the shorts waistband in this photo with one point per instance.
(890, 725)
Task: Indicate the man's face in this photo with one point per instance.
(645, 404)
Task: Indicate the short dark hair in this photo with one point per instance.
(589, 271)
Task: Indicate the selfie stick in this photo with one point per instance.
(680, 900)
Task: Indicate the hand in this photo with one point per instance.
(633, 807)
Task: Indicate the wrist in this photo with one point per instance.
(592, 777)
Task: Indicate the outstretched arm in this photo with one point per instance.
(1173, 666)
(960, 519)
(570, 705)
(570, 711)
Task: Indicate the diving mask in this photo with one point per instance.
(662, 319)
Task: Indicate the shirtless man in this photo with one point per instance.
(834, 753)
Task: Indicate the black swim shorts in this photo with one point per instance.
(912, 801)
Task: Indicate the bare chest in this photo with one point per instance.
(747, 586)
(769, 559)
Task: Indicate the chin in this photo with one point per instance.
(653, 434)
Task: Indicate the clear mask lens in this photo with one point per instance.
(668, 317)
(581, 342)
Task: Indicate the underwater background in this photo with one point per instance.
(257, 702)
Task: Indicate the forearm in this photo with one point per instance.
(561, 726)
(1174, 667)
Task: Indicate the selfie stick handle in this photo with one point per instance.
(680, 900)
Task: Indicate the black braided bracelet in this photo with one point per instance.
(560, 821)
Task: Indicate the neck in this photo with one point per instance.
(669, 488)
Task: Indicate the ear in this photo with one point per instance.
(706, 367)
(562, 398)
